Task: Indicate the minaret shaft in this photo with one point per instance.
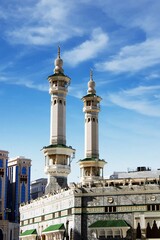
(58, 123)
(91, 135)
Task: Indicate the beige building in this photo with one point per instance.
(95, 208)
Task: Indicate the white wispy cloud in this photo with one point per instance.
(143, 14)
(152, 76)
(143, 99)
(24, 82)
(88, 49)
(133, 58)
(42, 23)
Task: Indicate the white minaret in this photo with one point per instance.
(58, 90)
(91, 166)
(57, 155)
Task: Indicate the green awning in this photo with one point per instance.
(55, 227)
(109, 223)
(29, 232)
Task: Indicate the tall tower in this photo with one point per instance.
(19, 174)
(3, 184)
(57, 155)
(91, 166)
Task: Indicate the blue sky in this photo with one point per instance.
(119, 40)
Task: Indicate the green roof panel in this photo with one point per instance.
(109, 223)
(54, 228)
(29, 232)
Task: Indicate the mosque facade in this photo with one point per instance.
(94, 208)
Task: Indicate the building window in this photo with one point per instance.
(153, 207)
(23, 192)
(1, 163)
(55, 102)
(0, 187)
(110, 209)
(24, 170)
(69, 211)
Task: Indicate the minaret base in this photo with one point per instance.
(55, 184)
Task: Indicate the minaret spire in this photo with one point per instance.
(59, 51)
(58, 63)
(91, 166)
(91, 84)
(91, 74)
(57, 155)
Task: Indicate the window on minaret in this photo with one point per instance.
(55, 84)
(54, 102)
(88, 103)
(60, 101)
(88, 119)
(94, 103)
(62, 84)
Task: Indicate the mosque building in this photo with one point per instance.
(94, 208)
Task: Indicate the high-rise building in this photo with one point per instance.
(19, 171)
(38, 188)
(14, 185)
(3, 184)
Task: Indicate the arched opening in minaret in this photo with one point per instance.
(88, 103)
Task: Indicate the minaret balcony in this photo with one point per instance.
(56, 89)
(88, 179)
(57, 168)
(58, 149)
(91, 109)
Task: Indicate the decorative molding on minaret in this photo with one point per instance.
(91, 166)
(57, 155)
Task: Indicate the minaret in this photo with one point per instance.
(91, 166)
(57, 155)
